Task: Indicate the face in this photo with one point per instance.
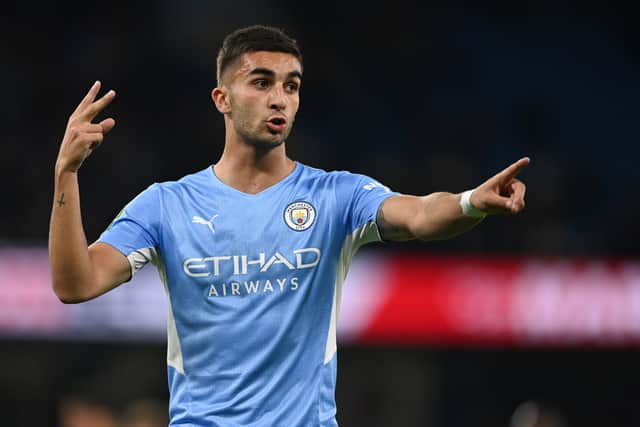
(260, 95)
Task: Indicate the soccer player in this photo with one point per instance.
(253, 250)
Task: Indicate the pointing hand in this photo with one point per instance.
(502, 193)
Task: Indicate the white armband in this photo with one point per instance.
(468, 209)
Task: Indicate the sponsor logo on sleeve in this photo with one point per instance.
(370, 186)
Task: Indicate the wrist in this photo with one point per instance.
(62, 173)
(467, 208)
(61, 170)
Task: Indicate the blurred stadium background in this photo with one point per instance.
(532, 320)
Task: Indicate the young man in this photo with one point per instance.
(252, 251)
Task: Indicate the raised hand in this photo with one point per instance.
(502, 193)
(82, 136)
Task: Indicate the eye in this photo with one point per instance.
(291, 87)
(261, 83)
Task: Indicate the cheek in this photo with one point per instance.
(295, 103)
(250, 103)
(241, 106)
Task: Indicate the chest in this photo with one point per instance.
(240, 236)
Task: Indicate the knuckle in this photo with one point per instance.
(74, 132)
(95, 139)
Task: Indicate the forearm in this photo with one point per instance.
(68, 253)
(440, 217)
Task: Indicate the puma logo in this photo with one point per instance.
(199, 220)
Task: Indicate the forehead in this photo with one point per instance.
(279, 62)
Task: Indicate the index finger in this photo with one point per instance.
(88, 98)
(514, 169)
(96, 107)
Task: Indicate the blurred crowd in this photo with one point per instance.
(82, 412)
(421, 99)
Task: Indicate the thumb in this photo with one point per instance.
(107, 125)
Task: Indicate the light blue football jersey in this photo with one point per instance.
(254, 286)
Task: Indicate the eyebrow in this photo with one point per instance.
(271, 73)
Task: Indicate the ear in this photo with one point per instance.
(220, 97)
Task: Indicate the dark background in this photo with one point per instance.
(422, 98)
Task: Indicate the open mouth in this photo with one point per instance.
(277, 124)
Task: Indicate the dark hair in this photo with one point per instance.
(251, 39)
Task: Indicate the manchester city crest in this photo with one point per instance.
(299, 215)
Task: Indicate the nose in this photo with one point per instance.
(277, 98)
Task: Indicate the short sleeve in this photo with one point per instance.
(135, 231)
(361, 197)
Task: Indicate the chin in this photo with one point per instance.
(266, 142)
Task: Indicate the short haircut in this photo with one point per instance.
(251, 39)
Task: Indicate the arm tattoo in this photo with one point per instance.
(61, 201)
(384, 227)
(389, 231)
(380, 221)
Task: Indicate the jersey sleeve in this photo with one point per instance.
(135, 231)
(361, 196)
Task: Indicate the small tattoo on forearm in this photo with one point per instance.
(61, 200)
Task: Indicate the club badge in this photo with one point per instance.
(299, 215)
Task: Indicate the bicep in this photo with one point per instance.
(110, 268)
(395, 216)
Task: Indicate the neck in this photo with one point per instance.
(251, 169)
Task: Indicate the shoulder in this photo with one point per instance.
(170, 191)
(342, 182)
(336, 177)
(196, 180)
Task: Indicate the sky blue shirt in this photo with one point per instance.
(254, 284)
